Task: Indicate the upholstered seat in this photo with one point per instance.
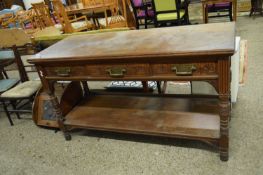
(220, 7)
(222, 4)
(59, 27)
(6, 84)
(102, 21)
(167, 12)
(7, 54)
(25, 89)
(169, 16)
(76, 25)
(141, 13)
(80, 24)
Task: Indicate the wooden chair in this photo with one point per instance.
(70, 26)
(218, 8)
(27, 19)
(142, 11)
(43, 18)
(170, 11)
(21, 94)
(118, 14)
(6, 58)
(16, 41)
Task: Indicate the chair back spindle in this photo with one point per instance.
(43, 15)
(62, 16)
(20, 66)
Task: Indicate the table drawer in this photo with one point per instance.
(101, 71)
(185, 69)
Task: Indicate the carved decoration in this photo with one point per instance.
(214, 83)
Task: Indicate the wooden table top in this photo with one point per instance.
(81, 7)
(193, 40)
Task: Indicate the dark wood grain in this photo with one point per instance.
(169, 42)
(71, 96)
(148, 115)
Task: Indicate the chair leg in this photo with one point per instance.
(7, 114)
(155, 23)
(159, 87)
(230, 13)
(191, 86)
(145, 23)
(145, 86)
(14, 107)
(137, 24)
(164, 87)
(5, 74)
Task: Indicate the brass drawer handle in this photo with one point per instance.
(63, 71)
(183, 69)
(116, 72)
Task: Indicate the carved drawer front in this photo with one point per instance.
(185, 69)
(64, 71)
(99, 70)
(118, 70)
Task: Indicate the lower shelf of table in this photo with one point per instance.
(164, 116)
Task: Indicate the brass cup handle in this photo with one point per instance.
(183, 69)
(63, 71)
(116, 72)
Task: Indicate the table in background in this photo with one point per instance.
(81, 8)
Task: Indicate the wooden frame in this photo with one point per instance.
(43, 15)
(205, 9)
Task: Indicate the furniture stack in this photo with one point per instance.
(72, 18)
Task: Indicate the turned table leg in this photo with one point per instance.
(224, 112)
(203, 12)
(60, 118)
(224, 106)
